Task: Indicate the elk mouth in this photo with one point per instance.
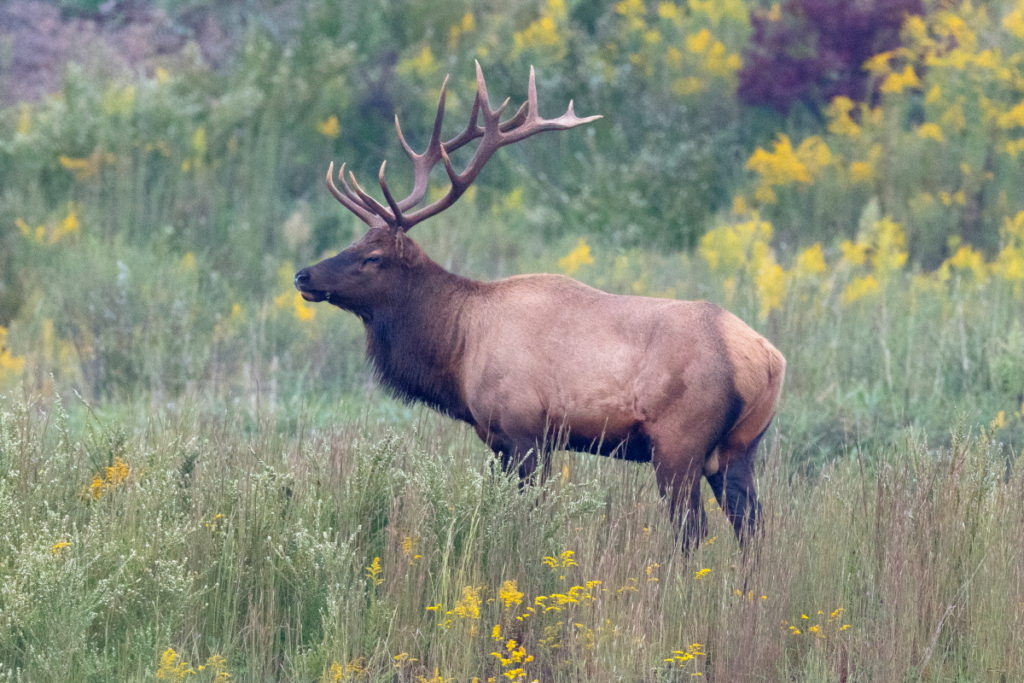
(313, 295)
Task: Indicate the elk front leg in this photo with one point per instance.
(678, 455)
(519, 455)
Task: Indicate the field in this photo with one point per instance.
(200, 479)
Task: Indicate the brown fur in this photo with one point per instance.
(535, 361)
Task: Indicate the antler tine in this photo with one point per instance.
(472, 131)
(517, 119)
(352, 194)
(370, 202)
(347, 201)
(395, 210)
(435, 135)
(533, 111)
(410, 152)
(495, 133)
(481, 88)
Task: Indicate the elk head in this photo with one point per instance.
(384, 263)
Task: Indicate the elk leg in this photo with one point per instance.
(685, 510)
(520, 456)
(736, 491)
(678, 474)
(678, 452)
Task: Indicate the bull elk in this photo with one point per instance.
(534, 361)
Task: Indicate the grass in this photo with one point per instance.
(380, 550)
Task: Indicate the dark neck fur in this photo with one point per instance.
(415, 341)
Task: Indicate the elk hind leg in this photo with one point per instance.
(735, 489)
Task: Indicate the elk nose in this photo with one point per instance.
(302, 278)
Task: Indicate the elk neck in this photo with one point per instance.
(416, 339)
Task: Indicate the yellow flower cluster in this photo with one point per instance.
(579, 256)
(544, 37)
(567, 558)
(679, 46)
(110, 479)
(10, 365)
(329, 127)
(465, 26)
(173, 668)
(745, 249)
(86, 168)
(289, 299)
(353, 669)
(822, 628)
(375, 572)
(785, 165)
(682, 658)
(52, 233)
(742, 253)
(513, 657)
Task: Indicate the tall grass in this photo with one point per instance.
(367, 551)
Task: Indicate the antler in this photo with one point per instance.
(495, 133)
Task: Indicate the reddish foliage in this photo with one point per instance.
(814, 50)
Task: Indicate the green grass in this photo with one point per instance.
(238, 536)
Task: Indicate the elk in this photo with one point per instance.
(534, 362)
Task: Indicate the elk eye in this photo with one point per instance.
(371, 259)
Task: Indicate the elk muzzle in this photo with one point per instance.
(303, 282)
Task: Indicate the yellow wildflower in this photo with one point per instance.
(567, 558)
(59, 546)
(171, 668)
(8, 361)
(699, 42)
(879, 64)
(890, 253)
(781, 166)
(898, 82)
(862, 171)
(688, 85)
(810, 261)
(422, 65)
(1013, 118)
(375, 573)
(736, 247)
(930, 131)
(840, 122)
(575, 259)
(670, 11)
(860, 288)
(118, 101)
(544, 34)
(701, 573)
(468, 606)
(24, 125)
(1014, 21)
(509, 594)
(771, 287)
(966, 259)
(86, 168)
(329, 127)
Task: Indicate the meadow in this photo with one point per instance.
(200, 480)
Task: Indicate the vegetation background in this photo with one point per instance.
(199, 480)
